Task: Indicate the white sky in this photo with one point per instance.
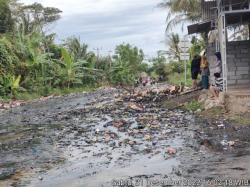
(107, 23)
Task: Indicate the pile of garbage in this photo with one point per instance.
(11, 104)
(154, 92)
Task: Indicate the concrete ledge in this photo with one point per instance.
(238, 101)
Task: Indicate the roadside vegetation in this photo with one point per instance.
(240, 119)
(33, 65)
(193, 106)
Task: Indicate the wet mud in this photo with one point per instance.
(112, 138)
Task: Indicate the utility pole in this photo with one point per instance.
(184, 46)
(110, 59)
(98, 52)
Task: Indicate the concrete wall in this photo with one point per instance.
(238, 102)
(238, 63)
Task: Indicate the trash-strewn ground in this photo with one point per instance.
(114, 138)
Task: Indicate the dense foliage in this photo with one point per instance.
(31, 62)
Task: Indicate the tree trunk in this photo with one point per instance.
(248, 31)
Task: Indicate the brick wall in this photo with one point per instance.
(238, 63)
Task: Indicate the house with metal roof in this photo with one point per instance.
(219, 19)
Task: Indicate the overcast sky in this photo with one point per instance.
(106, 23)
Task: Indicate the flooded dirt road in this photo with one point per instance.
(109, 138)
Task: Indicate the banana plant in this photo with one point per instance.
(15, 84)
(73, 72)
(70, 68)
(10, 84)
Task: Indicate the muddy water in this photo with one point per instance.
(97, 139)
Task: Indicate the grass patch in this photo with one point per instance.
(214, 112)
(179, 78)
(190, 106)
(72, 90)
(193, 106)
(242, 119)
(170, 104)
(5, 99)
(26, 96)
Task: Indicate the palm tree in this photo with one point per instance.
(173, 51)
(173, 43)
(181, 11)
(76, 49)
(73, 72)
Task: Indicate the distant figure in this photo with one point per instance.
(143, 79)
(218, 86)
(195, 70)
(205, 73)
(161, 78)
(153, 81)
(218, 63)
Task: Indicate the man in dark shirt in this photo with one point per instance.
(218, 86)
(195, 70)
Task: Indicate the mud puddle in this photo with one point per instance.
(108, 139)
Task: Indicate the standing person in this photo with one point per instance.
(218, 63)
(195, 70)
(205, 73)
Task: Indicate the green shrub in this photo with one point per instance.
(8, 59)
(193, 106)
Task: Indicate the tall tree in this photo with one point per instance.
(128, 63)
(129, 54)
(35, 17)
(6, 22)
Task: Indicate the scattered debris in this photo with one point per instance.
(231, 143)
(222, 126)
(198, 111)
(46, 98)
(228, 143)
(107, 138)
(135, 106)
(11, 104)
(147, 137)
(171, 151)
(132, 142)
(174, 90)
(154, 143)
(119, 123)
(106, 133)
